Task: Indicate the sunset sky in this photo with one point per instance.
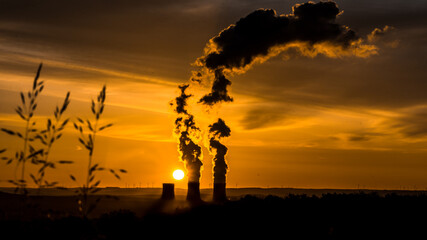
(296, 121)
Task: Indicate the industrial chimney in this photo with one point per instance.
(219, 194)
(168, 191)
(193, 192)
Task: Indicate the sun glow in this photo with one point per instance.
(178, 174)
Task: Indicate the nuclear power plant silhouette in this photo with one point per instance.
(193, 192)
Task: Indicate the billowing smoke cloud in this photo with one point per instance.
(186, 129)
(219, 90)
(217, 131)
(311, 29)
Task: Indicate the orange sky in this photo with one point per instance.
(296, 121)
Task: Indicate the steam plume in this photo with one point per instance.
(219, 90)
(310, 28)
(217, 131)
(186, 129)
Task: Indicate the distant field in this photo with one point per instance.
(142, 200)
(155, 193)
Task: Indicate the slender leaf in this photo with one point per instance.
(37, 76)
(91, 178)
(65, 162)
(106, 126)
(89, 125)
(22, 98)
(10, 132)
(21, 115)
(93, 168)
(59, 136)
(93, 107)
(64, 106)
(53, 184)
(42, 168)
(35, 153)
(96, 184)
(64, 123)
(82, 142)
(72, 177)
(34, 179)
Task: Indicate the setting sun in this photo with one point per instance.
(178, 174)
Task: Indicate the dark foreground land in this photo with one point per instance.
(262, 214)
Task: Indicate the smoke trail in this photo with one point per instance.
(219, 90)
(186, 129)
(217, 131)
(181, 100)
(310, 28)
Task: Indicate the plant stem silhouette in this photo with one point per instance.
(88, 131)
(26, 113)
(47, 137)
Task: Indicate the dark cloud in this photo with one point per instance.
(263, 34)
(363, 14)
(394, 78)
(364, 136)
(140, 37)
(359, 138)
(158, 37)
(263, 117)
(412, 124)
(256, 34)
